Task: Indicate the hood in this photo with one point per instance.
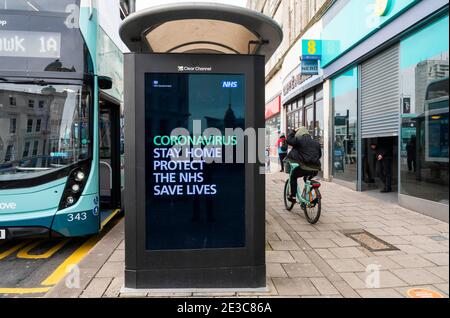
(301, 132)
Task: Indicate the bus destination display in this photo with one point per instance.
(30, 44)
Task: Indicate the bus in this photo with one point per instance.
(60, 117)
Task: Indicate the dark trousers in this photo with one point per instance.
(411, 164)
(298, 173)
(385, 172)
(282, 156)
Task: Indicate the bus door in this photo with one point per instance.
(109, 150)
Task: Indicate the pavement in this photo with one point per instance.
(306, 260)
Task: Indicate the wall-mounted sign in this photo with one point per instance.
(311, 49)
(293, 82)
(273, 107)
(310, 67)
(382, 7)
(406, 105)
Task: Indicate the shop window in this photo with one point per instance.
(319, 125)
(309, 120)
(319, 93)
(345, 113)
(309, 99)
(424, 145)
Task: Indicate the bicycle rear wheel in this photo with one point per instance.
(312, 212)
(287, 193)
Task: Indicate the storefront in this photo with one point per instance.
(388, 84)
(307, 111)
(273, 129)
(303, 104)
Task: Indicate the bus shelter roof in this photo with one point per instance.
(201, 28)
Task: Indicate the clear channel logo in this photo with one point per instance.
(3, 23)
(182, 68)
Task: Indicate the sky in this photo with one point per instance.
(142, 4)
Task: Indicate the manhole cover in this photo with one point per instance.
(370, 241)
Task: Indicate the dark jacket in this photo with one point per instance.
(384, 149)
(306, 151)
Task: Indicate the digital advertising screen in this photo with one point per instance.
(195, 201)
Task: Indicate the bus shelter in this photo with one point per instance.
(192, 223)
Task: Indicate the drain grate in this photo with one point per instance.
(370, 241)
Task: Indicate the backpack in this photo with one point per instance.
(284, 145)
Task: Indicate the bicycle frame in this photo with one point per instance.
(307, 189)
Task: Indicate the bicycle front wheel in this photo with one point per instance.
(287, 193)
(313, 211)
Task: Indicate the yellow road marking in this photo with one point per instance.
(13, 250)
(113, 214)
(73, 259)
(24, 290)
(76, 256)
(24, 253)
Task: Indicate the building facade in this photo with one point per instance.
(383, 80)
(291, 99)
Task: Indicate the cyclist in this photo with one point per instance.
(307, 153)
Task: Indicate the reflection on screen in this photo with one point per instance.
(191, 204)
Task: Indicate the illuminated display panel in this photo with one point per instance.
(41, 42)
(193, 205)
(30, 44)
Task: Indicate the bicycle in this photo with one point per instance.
(310, 199)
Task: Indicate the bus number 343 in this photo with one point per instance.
(74, 217)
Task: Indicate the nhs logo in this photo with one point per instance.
(230, 84)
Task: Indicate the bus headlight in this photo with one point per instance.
(76, 188)
(75, 185)
(70, 200)
(79, 176)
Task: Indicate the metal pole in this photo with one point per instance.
(132, 6)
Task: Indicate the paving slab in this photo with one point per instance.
(417, 276)
(302, 270)
(295, 287)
